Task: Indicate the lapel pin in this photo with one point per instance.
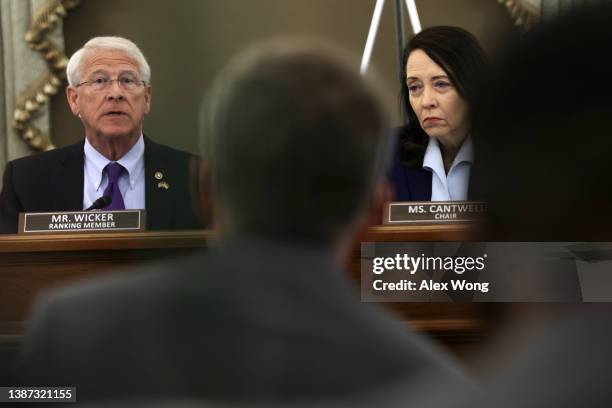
(159, 175)
(163, 184)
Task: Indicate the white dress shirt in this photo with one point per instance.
(454, 185)
(131, 182)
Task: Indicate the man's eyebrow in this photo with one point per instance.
(99, 71)
(128, 71)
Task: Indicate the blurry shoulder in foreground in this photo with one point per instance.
(293, 152)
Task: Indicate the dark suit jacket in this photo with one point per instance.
(410, 182)
(248, 320)
(53, 181)
(413, 182)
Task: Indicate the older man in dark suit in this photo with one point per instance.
(109, 90)
(293, 144)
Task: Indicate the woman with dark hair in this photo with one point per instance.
(434, 152)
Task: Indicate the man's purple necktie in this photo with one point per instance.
(113, 171)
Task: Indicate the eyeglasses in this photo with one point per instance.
(127, 82)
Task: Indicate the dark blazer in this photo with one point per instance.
(410, 182)
(249, 320)
(53, 181)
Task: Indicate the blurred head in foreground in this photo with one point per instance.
(542, 126)
(293, 138)
(546, 116)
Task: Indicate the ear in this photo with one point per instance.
(202, 192)
(372, 215)
(381, 195)
(73, 99)
(147, 96)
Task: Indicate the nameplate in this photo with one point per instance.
(433, 212)
(82, 221)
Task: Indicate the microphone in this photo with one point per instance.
(100, 203)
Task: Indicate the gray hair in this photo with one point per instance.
(295, 138)
(73, 70)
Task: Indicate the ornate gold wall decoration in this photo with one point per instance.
(524, 13)
(39, 92)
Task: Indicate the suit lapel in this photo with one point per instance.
(419, 183)
(416, 180)
(158, 199)
(68, 182)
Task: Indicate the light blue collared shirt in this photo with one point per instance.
(131, 182)
(454, 185)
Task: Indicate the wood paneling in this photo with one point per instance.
(30, 264)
